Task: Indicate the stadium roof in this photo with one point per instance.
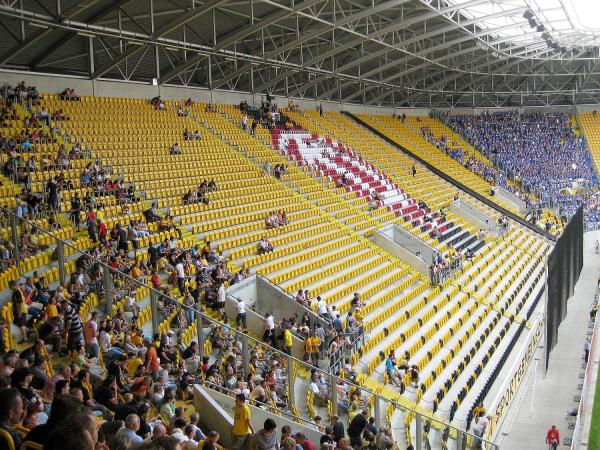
(432, 53)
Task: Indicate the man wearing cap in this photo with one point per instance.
(242, 428)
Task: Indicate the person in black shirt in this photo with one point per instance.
(20, 379)
(106, 393)
(11, 412)
(48, 332)
(62, 406)
(356, 428)
(338, 429)
(118, 370)
(122, 410)
(192, 350)
(328, 437)
(75, 209)
(144, 430)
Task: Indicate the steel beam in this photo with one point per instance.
(162, 31)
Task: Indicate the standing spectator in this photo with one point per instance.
(553, 438)
(287, 340)
(356, 428)
(586, 348)
(338, 429)
(180, 276)
(269, 335)
(479, 430)
(90, 335)
(242, 428)
(73, 325)
(241, 314)
(92, 224)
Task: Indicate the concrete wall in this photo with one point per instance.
(404, 246)
(475, 216)
(273, 298)
(257, 417)
(510, 198)
(49, 83)
(214, 416)
(258, 293)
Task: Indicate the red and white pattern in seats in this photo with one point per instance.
(340, 165)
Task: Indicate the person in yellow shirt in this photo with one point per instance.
(133, 362)
(242, 428)
(287, 341)
(51, 310)
(314, 349)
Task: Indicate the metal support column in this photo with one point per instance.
(246, 357)
(377, 411)
(154, 310)
(108, 290)
(459, 439)
(418, 432)
(200, 333)
(333, 394)
(91, 54)
(14, 226)
(290, 378)
(60, 255)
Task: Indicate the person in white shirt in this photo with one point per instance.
(269, 335)
(180, 276)
(322, 307)
(178, 427)
(132, 424)
(241, 314)
(221, 296)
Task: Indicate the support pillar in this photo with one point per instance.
(108, 290)
(246, 353)
(333, 394)
(14, 226)
(459, 439)
(290, 380)
(200, 333)
(154, 310)
(418, 432)
(60, 254)
(377, 411)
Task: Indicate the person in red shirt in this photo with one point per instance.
(102, 231)
(305, 443)
(157, 284)
(553, 438)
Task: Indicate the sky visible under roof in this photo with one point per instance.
(572, 24)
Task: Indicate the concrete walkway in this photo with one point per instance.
(544, 398)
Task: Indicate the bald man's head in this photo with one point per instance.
(159, 431)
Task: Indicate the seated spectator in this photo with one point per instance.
(11, 413)
(175, 150)
(151, 215)
(264, 246)
(68, 94)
